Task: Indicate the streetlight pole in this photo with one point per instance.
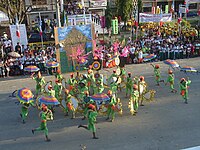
(58, 13)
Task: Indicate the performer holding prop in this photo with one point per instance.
(129, 84)
(133, 104)
(40, 82)
(184, 85)
(71, 82)
(58, 75)
(157, 74)
(24, 110)
(111, 106)
(58, 89)
(69, 106)
(43, 125)
(142, 89)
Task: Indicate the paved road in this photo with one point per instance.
(165, 124)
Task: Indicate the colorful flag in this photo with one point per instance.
(40, 24)
(17, 28)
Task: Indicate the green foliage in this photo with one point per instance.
(124, 9)
(140, 6)
(108, 15)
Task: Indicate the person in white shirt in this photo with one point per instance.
(132, 53)
(140, 56)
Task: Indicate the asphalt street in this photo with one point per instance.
(164, 124)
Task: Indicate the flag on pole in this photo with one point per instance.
(40, 24)
(172, 7)
(17, 28)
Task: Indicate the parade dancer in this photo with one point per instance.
(58, 75)
(40, 82)
(170, 80)
(24, 110)
(142, 89)
(134, 100)
(111, 106)
(58, 89)
(157, 74)
(129, 84)
(43, 125)
(99, 84)
(184, 85)
(92, 114)
(112, 75)
(82, 87)
(69, 106)
(71, 82)
(51, 92)
(90, 81)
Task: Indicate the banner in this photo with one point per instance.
(155, 17)
(23, 35)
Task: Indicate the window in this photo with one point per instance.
(193, 6)
(39, 2)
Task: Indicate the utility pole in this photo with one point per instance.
(58, 13)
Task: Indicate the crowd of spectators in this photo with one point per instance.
(31, 55)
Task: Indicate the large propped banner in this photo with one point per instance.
(23, 35)
(73, 38)
(155, 17)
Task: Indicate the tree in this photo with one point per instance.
(124, 9)
(108, 16)
(14, 8)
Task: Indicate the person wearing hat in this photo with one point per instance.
(91, 114)
(58, 89)
(58, 75)
(24, 110)
(111, 106)
(71, 82)
(40, 82)
(86, 102)
(43, 125)
(69, 106)
(82, 87)
(99, 87)
(170, 80)
(51, 92)
(90, 80)
(184, 85)
(129, 84)
(157, 73)
(142, 89)
(134, 100)
(114, 86)
(114, 74)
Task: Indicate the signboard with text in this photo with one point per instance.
(155, 17)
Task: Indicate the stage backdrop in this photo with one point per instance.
(72, 37)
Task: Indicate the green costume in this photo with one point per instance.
(184, 89)
(157, 74)
(58, 91)
(51, 93)
(111, 110)
(134, 100)
(40, 82)
(99, 85)
(82, 90)
(24, 110)
(91, 81)
(86, 101)
(91, 120)
(112, 75)
(72, 82)
(170, 79)
(58, 76)
(43, 125)
(69, 106)
(123, 74)
(129, 84)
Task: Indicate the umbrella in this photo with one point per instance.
(31, 69)
(100, 97)
(172, 63)
(24, 95)
(14, 54)
(149, 57)
(52, 64)
(188, 69)
(48, 100)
